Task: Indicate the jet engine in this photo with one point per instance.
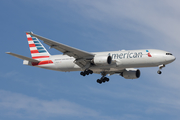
(131, 73)
(102, 60)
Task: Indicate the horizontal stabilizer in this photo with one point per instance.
(22, 57)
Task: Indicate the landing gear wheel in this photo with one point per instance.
(90, 72)
(86, 72)
(102, 80)
(99, 81)
(81, 73)
(159, 72)
(107, 79)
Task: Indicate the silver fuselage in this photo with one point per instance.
(120, 60)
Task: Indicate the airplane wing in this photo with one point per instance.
(22, 57)
(67, 50)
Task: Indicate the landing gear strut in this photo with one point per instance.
(103, 79)
(86, 72)
(160, 67)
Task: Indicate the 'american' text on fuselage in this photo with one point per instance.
(126, 55)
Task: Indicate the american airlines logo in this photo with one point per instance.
(149, 55)
(126, 55)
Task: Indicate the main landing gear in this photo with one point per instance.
(160, 67)
(103, 78)
(86, 72)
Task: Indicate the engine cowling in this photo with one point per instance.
(102, 60)
(131, 74)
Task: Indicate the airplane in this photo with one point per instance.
(123, 62)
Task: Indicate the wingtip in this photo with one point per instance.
(8, 52)
(29, 32)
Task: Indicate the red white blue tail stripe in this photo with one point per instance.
(37, 50)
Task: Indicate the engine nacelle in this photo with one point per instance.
(102, 60)
(131, 74)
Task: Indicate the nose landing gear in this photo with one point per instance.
(159, 72)
(160, 67)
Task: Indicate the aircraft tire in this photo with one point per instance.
(90, 71)
(107, 79)
(82, 73)
(99, 81)
(159, 72)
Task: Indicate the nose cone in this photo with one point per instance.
(171, 58)
(174, 58)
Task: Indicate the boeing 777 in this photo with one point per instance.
(123, 63)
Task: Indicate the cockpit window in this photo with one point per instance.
(168, 53)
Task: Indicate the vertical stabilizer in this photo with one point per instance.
(38, 51)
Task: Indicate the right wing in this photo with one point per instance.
(22, 57)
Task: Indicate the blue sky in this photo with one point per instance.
(97, 25)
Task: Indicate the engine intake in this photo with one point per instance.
(102, 60)
(131, 74)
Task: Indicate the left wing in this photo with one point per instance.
(67, 50)
(82, 57)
